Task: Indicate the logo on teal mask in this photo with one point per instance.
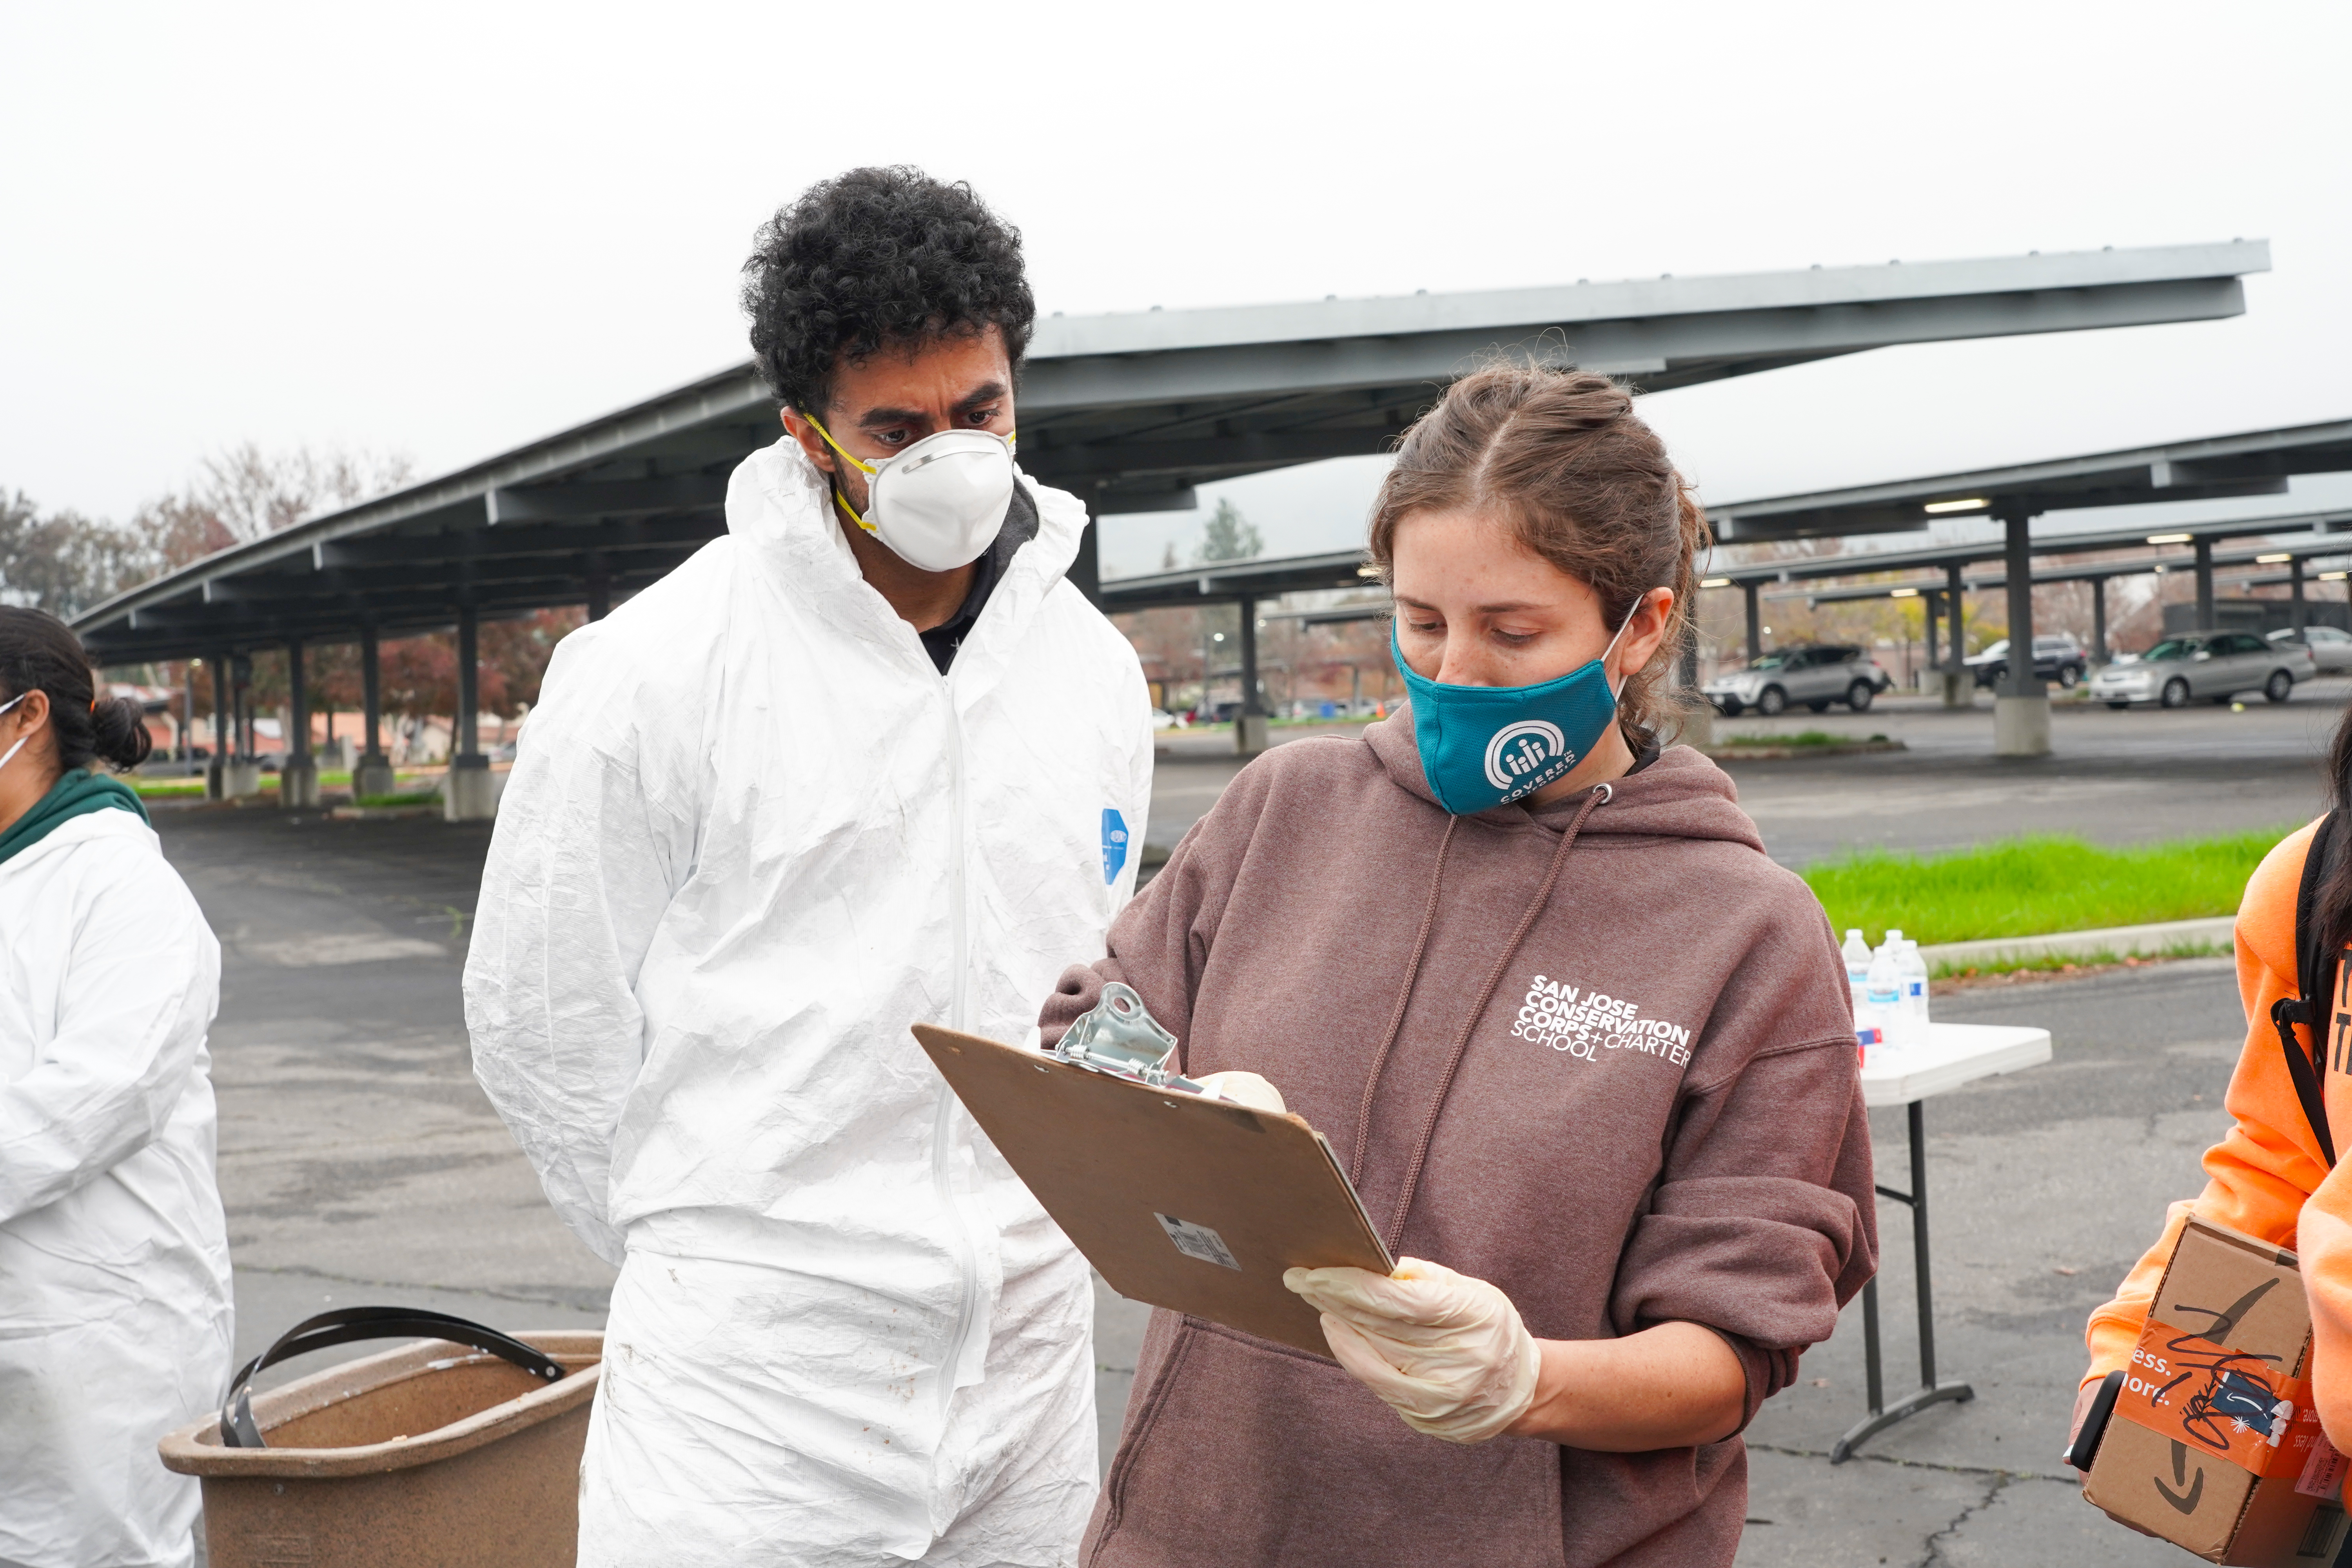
(1483, 746)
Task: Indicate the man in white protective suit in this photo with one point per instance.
(867, 760)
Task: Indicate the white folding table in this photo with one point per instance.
(1954, 1054)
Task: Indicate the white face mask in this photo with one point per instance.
(10, 755)
(939, 503)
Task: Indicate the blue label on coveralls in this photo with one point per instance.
(1114, 845)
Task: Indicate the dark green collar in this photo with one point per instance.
(77, 793)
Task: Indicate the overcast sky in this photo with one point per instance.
(447, 229)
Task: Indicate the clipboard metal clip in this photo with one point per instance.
(1120, 1036)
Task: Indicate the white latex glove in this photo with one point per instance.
(1445, 1352)
(1243, 1088)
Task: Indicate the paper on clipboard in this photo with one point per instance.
(1192, 1204)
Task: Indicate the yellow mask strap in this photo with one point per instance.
(839, 498)
(819, 427)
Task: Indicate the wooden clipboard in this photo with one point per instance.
(1183, 1202)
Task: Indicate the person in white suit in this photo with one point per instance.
(868, 760)
(114, 1273)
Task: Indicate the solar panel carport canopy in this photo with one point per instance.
(1130, 410)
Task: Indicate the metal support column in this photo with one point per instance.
(600, 589)
(2204, 548)
(215, 777)
(2098, 620)
(471, 793)
(1958, 689)
(1249, 719)
(1932, 604)
(298, 773)
(241, 773)
(2299, 611)
(372, 774)
(1203, 709)
(1755, 621)
(241, 699)
(2020, 710)
(188, 730)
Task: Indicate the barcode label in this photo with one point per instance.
(2323, 1472)
(1197, 1241)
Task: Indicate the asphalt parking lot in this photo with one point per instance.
(2112, 777)
(359, 1163)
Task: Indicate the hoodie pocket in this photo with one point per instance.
(1250, 1452)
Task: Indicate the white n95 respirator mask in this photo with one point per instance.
(939, 503)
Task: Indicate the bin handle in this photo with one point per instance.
(348, 1324)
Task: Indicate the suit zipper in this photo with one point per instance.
(959, 1008)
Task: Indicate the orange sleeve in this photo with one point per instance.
(2259, 1176)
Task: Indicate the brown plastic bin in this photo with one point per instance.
(431, 1456)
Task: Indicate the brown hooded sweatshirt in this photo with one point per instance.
(1619, 1081)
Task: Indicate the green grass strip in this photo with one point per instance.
(420, 797)
(2037, 885)
(1801, 738)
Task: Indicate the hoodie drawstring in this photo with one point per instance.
(1396, 1019)
(1395, 1235)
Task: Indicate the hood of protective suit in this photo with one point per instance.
(752, 836)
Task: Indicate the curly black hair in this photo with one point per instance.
(877, 257)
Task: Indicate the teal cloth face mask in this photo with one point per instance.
(1483, 746)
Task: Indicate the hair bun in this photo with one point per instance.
(121, 737)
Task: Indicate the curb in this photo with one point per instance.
(2142, 940)
(1779, 754)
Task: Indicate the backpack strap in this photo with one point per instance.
(2309, 1007)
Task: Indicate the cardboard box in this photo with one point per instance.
(2213, 1444)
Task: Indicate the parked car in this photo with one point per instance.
(1815, 676)
(2056, 656)
(2331, 650)
(2215, 666)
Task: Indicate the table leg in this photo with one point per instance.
(1872, 1377)
(1918, 1136)
(1929, 1391)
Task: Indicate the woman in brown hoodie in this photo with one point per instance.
(1572, 1034)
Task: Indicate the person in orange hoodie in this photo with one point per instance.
(2270, 1176)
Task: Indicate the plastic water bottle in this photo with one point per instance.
(1901, 1029)
(1856, 953)
(1913, 970)
(1882, 1002)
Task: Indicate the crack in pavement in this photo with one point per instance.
(2000, 1483)
(1916, 1464)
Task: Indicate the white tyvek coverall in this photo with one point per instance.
(114, 1274)
(752, 836)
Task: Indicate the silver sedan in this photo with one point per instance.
(2331, 650)
(2214, 665)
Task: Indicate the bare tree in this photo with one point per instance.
(255, 493)
(63, 562)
